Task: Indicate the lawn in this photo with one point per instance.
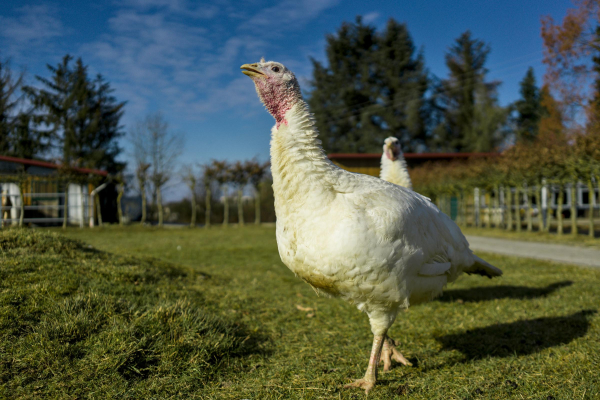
(213, 314)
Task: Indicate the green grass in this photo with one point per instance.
(532, 334)
(567, 239)
(78, 322)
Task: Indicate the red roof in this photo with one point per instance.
(414, 155)
(46, 164)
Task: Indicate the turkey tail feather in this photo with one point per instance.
(483, 268)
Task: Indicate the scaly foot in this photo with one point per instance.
(368, 382)
(362, 384)
(390, 353)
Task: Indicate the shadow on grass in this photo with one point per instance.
(500, 292)
(518, 338)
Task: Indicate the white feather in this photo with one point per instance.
(396, 171)
(370, 242)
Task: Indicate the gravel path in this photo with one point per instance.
(544, 251)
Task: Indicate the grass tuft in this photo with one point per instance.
(77, 321)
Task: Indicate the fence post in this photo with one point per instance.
(502, 207)
(592, 202)
(92, 195)
(518, 201)
(574, 202)
(508, 197)
(66, 207)
(549, 198)
(527, 192)
(81, 210)
(559, 208)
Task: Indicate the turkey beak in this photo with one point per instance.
(252, 71)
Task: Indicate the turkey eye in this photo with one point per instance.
(275, 69)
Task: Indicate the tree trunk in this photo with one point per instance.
(225, 207)
(160, 206)
(119, 207)
(144, 203)
(549, 197)
(257, 206)
(574, 207)
(66, 207)
(193, 220)
(240, 208)
(592, 203)
(99, 208)
(518, 192)
(538, 200)
(207, 212)
(559, 205)
(529, 217)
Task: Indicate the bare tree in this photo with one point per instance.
(223, 177)
(156, 145)
(240, 175)
(256, 173)
(122, 181)
(208, 176)
(188, 174)
(138, 139)
(141, 174)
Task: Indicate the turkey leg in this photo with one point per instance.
(368, 382)
(390, 353)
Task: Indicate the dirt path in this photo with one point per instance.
(545, 251)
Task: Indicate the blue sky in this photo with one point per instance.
(182, 57)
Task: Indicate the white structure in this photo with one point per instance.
(11, 203)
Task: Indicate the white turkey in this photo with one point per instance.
(393, 165)
(379, 246)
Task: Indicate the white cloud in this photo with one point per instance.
(189, 8)
(287, 14)
(370, 17)
(164, 53)
(33, 27)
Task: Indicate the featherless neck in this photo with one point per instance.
(278, 97)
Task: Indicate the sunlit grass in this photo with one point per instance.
(534, 333)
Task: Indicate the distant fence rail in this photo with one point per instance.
(510, 207)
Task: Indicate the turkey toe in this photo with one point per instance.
(390, 353)
(361, 384)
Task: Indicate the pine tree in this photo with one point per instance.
(18, 136)
(9, 86)
(471, 118)
(595, 103)
(373, 87)
(25, 140)
(82, 115)
(529, 109)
